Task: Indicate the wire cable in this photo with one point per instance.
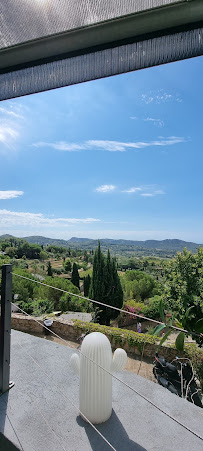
(124, 383)
(107, 305)
(50, 427)
(15, 433)
(35, 405)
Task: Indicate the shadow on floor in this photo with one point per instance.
(3, 410)
(113, 431)
(5, 444)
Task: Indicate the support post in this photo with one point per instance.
(5, 328)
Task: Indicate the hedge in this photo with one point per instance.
(121, 337)
(118, 336)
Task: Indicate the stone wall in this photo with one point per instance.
(70, 332)
(26, 324)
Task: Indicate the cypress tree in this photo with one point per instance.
(116, 294)
(87, 282)
(49, 270)
(75, 279)
(106, 286)
(97, 290)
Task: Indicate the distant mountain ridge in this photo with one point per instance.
(174, 245)
(167, 244)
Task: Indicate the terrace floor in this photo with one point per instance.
(37, 414)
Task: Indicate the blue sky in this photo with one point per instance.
(113, 158)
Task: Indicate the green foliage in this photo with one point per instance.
(58, 271)
(52, 294)
(11, 251)
(151, 309)
(87, 283)
(55, 249)
(41, 306)
(18, 248)
(117, 336)
(49, 269)
(64, 303)
(75, 279)
(138, 285)
(97, 289)
(106, 286)
(23, 287)
(43, 255)
(164, 338)
(183, 288)
(80, 305)
(195, 354)
(37, 307)
(67, 265)
(180, 341)
(86, 257)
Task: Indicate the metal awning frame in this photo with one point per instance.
(149, 24)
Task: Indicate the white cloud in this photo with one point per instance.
(11, 113)
(8, 134)
(145, 190)
(142, 190)
(134, 117)
(10, 124)
(157, 122)
(147, 194)
(160, 96)
(62, 145)
(14, 218)
(10, 194)
(105, 188)
(153, 193)
(111, 146)
(132, 190)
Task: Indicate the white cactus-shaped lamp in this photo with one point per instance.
(95, 383)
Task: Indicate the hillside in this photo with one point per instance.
(168, 244)
(161, 248)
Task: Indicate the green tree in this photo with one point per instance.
(75, 279)
(97, 289)
(139, 286)
(106, 286)
(10, 251)
(49, 270)
(44, 292)
(64, 303)
(87, 282)
(85, 256)
(23, 287)
(183, 289)
(43, 255)
(67, 266)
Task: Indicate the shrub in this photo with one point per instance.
(64, 303)
(80, 305)
(37, 307)
(116, 335)
(125, 318)
(42, 306)
(26, 306)
(151, 310)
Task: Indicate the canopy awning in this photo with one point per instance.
(46, 44)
